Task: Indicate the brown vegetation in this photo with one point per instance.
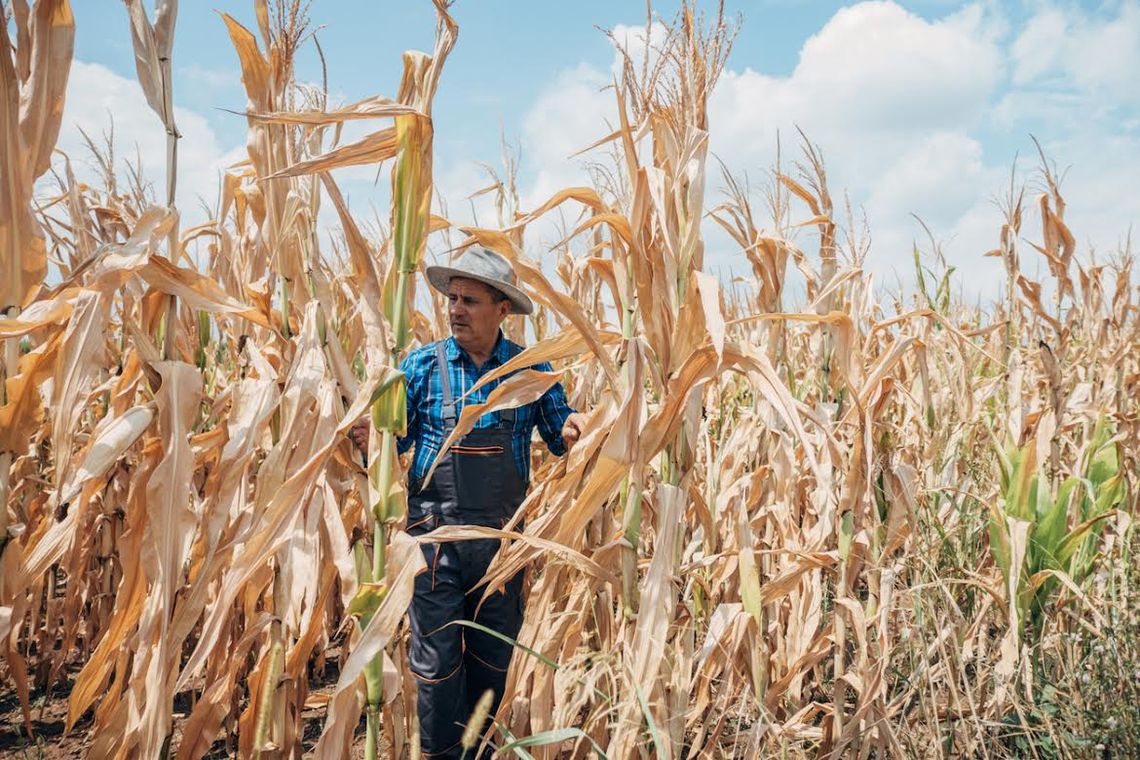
(857, 526)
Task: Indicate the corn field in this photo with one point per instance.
(856, 525)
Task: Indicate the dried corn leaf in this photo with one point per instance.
(526, 387)
(197, 290)
(110, 438)
(565, 345)
(37, 315)
(369, 108)
(370, 149)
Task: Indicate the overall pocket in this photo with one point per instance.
(486, 476)
(477, 451)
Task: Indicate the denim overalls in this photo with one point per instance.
(475, 483)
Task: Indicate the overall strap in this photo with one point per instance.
(445, 383)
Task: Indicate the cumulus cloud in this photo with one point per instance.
(940, 180)
(1037, 49)
(890, 98)
(568, 116)
(104, 103)
(641, 49)
(877, 66)
(907, 112)
(1093, 54)
(1076, 89)
(939, 173)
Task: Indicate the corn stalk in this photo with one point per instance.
(411, 211)
(744, 643)
(153, 46)
(33, 80)
(11, 363)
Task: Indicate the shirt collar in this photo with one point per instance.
(500, 354)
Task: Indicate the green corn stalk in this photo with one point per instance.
(411, 207)
(204, 332)
(11, 367)
(631, 519)
(364, 605)
(1083, 501)
(631, 495)
(846, 531)
(269, 691)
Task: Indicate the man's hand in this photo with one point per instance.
(359, 433)
(572, 429)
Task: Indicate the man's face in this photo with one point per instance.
(475, 311)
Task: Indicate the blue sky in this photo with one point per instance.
(918, 107)
(508, 52)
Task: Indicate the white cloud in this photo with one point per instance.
(99, 101)
(877, 66)
(872, 88)
(1093, 54)
(873, 76)
(1037, 49)
(903, 109)
(941, 181)
(570, 115)
(940, 173)
(1077, 90)
(631, 39)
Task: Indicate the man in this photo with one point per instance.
(481, 480)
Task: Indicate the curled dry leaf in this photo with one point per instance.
(110, 438)
(526, 387)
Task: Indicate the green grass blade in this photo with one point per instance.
(523, 647)
(506, 732)
(554, 736)
(658, 745)
(503, 637)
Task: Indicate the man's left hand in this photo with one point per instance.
(573, 428)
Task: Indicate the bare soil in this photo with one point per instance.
(50, 741)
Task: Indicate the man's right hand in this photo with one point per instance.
(359, 433)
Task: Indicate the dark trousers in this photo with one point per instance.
(455, 664)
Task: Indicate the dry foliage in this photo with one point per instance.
(820, 532)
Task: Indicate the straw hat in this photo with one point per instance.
(488, 268)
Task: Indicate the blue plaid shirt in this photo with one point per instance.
(425, 404)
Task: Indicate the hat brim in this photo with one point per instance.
(440, 277)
